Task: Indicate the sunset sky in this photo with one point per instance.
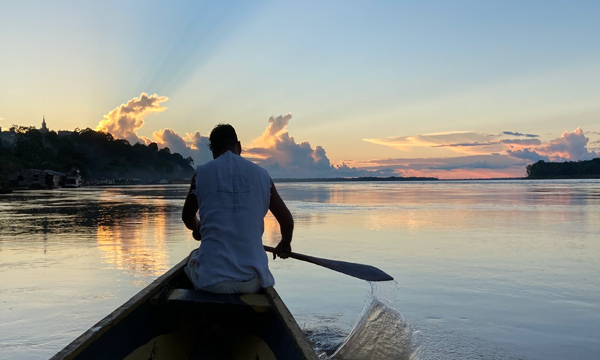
(451, 89)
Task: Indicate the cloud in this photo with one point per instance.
(569, 147)
(501, 155)
(472, 165)
(457, 162)
(275, 149)
(506, 153)
(487, 155)
(124, 121)
(527, 155)
(283, 157)
(521, 142)
(277, 125)
(458, 167)
(464, 143)
(518, 134)
(193, 145)
(431, 140)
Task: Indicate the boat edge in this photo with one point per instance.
(77, 346)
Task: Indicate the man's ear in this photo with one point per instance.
(239, 146)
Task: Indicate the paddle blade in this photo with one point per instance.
(360, 271)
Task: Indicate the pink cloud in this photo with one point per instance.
(570, 146)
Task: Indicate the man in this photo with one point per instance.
(232, 196)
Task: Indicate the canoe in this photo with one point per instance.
(170, 320)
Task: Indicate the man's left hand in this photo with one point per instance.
(282, 250)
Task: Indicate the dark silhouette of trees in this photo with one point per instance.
(564, 170)
(96, 154)
(29, 145)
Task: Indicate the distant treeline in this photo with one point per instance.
(564, 170)
(365, 178)
(95, 154)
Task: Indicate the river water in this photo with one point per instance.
(483, 269)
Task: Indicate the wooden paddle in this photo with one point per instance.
(364, 272)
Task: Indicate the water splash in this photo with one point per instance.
(381, 332)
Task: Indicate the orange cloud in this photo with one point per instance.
(273, 132)
(124, 121)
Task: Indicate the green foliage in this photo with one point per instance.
(96, 154)
(564, 170)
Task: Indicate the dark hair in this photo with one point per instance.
(222, 137)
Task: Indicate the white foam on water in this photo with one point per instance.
(381, 332)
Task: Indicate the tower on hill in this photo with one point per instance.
(44, 129)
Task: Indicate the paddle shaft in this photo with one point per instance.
(364, 272)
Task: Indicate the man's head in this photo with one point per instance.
(223, 138)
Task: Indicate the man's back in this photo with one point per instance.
(233, 197)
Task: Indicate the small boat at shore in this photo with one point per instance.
(170, 320)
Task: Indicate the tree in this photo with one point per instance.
(29, 145)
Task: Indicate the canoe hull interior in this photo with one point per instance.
(194, 331)
(168, 320)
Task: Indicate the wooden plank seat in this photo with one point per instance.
(198, 296)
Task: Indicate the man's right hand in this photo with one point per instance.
(196, 234)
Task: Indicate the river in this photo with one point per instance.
(483, 269)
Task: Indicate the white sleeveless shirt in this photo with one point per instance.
(233, 198)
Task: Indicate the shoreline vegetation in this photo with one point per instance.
(584, 169)
(97, 155)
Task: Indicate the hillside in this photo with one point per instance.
(95, 154)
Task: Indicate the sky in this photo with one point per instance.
(447, 89)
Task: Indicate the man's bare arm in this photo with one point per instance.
(190, 209)
(286, 223)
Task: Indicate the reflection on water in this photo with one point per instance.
(129, 225)
(133, 237)
(138, 245)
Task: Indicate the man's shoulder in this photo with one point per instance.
(250, 167)
(242, 163)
